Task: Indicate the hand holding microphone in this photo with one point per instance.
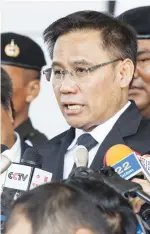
(137, 203)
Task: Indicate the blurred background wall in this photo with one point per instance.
(31, 18)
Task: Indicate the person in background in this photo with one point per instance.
(64, 210)
(23, 60)
(139, 19)
(11, 144)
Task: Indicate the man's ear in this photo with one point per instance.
(83, 231)
(33, 89)
(125, 72)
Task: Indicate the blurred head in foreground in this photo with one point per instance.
(56, 208)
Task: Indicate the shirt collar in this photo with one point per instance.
(14, 153)
(100, 129)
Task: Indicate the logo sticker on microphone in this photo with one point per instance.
(18, 177)
(128, 167)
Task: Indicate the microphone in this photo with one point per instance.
(111, 178)
(125, 162)
(129, 164)
(28, 174)
(5, 163)
(108, 175)
(22, 177)
(81, 156)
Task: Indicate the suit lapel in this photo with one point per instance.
(113, 138)
(59, 158)
(126, 126)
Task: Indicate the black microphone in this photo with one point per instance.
(108, 175)
(124, 187)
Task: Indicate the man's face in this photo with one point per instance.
(89, 101)
(140, 86)
(20, 79)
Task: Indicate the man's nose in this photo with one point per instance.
(68, 85)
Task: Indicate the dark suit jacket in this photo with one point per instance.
(131, 129)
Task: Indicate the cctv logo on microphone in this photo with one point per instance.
(128, 167)
(18, 177)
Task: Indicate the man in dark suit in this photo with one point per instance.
(93, 61)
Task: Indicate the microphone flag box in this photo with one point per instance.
(40, 177)
(145, 161)
(145, 164)
(128, 167)
(18, 177)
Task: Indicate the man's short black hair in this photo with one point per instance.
(6, 90)
(115, 208)
(58, 208)
(118, 38)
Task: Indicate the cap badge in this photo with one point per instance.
(12, 49)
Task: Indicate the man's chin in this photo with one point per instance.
(76, 122)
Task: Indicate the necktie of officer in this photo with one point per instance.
(84, 144)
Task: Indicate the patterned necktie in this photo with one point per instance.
(87, 141)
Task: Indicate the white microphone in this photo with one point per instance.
(20, 178)
(5, 162)
(23, 177)
(81, 156)
(28, 174)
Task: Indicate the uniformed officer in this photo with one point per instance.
(139, 18)
(23, 60)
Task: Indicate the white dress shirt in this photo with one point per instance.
(14, 154)
(99, 133)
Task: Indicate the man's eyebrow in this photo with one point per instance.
(82, 62)
(143, 52)
(77, 62)
(56, 63)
